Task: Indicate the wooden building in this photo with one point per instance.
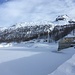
(66, 42)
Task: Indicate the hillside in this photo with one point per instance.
(48, 31)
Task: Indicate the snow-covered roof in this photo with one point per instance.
(70, 35)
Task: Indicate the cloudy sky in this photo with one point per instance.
(14, 11)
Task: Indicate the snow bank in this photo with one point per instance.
(68, 68)
(40, 45)
(24, 45)
(6, 45)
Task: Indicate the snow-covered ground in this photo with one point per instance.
(68, 68)
(32, 58)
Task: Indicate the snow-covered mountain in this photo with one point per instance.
(3, 28)
(61, 20)
(25, 31)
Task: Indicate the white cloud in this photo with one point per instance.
(33, 10)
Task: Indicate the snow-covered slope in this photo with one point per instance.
(59, 20)
(3, 28)
(67, 68)
(23, 24)
(27, 31)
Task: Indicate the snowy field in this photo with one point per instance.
(34, 59)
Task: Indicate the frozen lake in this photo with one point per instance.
(37, 59)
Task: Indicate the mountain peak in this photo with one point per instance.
(62, 17)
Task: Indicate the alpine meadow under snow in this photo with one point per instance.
(30, 31)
